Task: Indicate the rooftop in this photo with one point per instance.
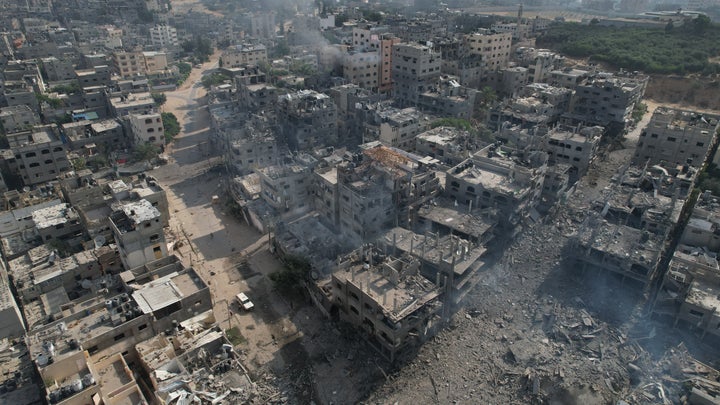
(435, 249)
(131, 214)
(54, 215)
(394, 284)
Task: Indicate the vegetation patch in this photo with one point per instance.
(290, 279)
(680, 50)
(171, 125)
(234, 336)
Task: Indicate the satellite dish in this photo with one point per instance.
(86, 284)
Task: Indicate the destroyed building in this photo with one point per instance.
(630, 253)
(606, 100)
(395, 127)
(447, 144)
(576, 148)
(677, 138)
(286, 188)
(381, 187)
(499, 178)
(194, 363)
(690, 287)
(308, 120)
(42, 270)
(387, 298)
(72, 352)
(415, 68)
(447, 98)
(449, 260)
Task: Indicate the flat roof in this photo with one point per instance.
(392, 285)
(54, 215)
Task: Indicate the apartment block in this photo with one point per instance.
(396, 127)
(18, 118)
(415, 68)
(262, 25)
(447, 98)
(362, 68)
(307, 120)
(677, 137)
(40, 155)
(493, 47)
(138, 233)
(690, 288)
(147, 128)
(388, 299)
(574, 147)
(243, 55)
(607, 100)
(286, 188)
(382, 186)
(491, 178)
(164, 37)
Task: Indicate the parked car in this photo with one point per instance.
(244, 301)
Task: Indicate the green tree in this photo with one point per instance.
(171, 125)
(145, 152)
(159, 98)
(701, 23)
(184, 68)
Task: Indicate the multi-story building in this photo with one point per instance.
(307, 120)
(164, 37)
(382, 186)
(17, 118)
(574, 147)
(129, 64)
(493, 47)
(677, 137)
(262, 25)
(133, 103)
(286, 188)
(138, 232)
(243, 55)
(148, 128)
(446, 144)
(361, 68)
(415, 68)
(371, 59)
(491, 178)
(396, 127)
(40, 155)
(390, 301)
(447, 98)
(691, 286)
(607, 100)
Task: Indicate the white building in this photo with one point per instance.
(163, 37)
(148, 128)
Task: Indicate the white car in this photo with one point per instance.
(244, 301)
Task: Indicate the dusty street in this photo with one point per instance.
(287, 344)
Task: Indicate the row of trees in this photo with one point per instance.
(678, 50)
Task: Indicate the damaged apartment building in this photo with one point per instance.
(89, 335)
(381, 187)
(500, 178)
(308, 120)
(690, 289)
